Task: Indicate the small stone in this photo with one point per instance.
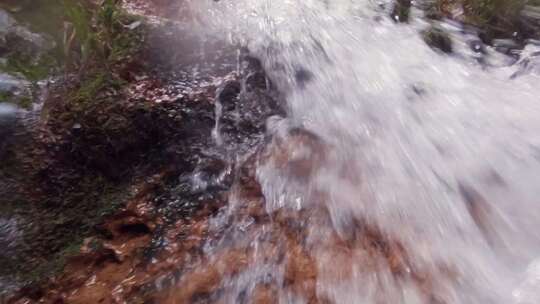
(438, 39)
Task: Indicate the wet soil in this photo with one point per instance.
(105, 191)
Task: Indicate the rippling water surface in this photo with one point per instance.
(439, 154)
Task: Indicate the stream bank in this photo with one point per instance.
(96, 166)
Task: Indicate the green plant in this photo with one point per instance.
(97, 34)
(90, 87)
(497, 14)
(496, 18)
(97, 40)
(78, 31)
(30, 69)
(401, 10)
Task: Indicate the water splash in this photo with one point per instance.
(438, 154)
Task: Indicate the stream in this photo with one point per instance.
(437, 155)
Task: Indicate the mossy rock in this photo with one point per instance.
(495, 19)
(437, 39)
(401, 10)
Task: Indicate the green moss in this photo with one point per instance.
(495, 18)
(24, 102)
(89, 88)
(40, 16)
(500, 16)
(101, 36)
(61, 234)
(31, 70)
(102, 39)
(54, 265)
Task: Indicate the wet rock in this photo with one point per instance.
(92, 151)
(8, 119)
(505, 46)
(95, 251)
(477, 46)
(246, 109)
(401, 10)
(265, 294)
(437, 39)
(299, 154)
(10, 239)
(303, 76)
(18, 39)
(24, 59)
(228, 93)
(256, 80)
(20, 48)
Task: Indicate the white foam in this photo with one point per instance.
(415, 125)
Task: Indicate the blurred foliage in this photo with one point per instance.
(99, 39)
(495, 18)
(31, 70)
(499, 15)
(100, 35)
(75, 168)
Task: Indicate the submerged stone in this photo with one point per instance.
(437, 39)
(8, 118)
(401, 11)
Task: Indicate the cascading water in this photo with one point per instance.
(438, 156)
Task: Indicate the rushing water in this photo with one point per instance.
(440, 153)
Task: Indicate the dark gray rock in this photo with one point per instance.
(8, 120)
(11, 84)
(20, 41)
(438, 39)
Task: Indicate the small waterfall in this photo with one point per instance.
(401, 175)
(216, 135)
